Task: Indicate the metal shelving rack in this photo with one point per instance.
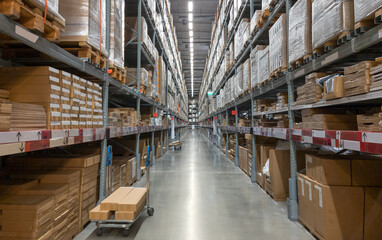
(14, 142)
(366, 46)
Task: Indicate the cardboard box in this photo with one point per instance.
(264, 156)
(133, 200)
(373, 213)
(97, 214)
(329, 170)
(338, 211)
(243, 159)
(111, 202)
(279, 171)
(366, 172)
(334, 88)
(305, 201)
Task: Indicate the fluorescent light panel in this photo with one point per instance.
(190, 26)
(190, 17)
(190, 6)
(191, 33)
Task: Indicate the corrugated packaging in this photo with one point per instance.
(263, 65)
(300, 30)
(277, 45)
(117, 36)
(85, 21)
(331, 18)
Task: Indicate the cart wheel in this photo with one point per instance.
(150, 211)
(125, 232)
(99, 232)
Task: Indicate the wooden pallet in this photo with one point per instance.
(86, 52)
(278, 72)
(32, 18)
(117, 73)
(331, 44)
(367, 23)
(301, 61)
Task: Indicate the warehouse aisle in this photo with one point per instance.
(198, 194)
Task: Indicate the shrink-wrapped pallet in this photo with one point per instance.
(117, 37)
(238, 81)
(277, 45)
(132, 74)
(266, 4)
(263, 64)
(300, 30)
(254, 20)
(330, 19)
(85, 22)
(131, 29)
(247, 75)
(255, 65)
(51, 6)
(365, 9)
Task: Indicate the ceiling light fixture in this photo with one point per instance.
(190, 26)
(191, 33)
(190, 17)
(191, 40)
(190, 6)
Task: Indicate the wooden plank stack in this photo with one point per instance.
(125, 203)
(5, 111)
(357, 79)
(26, 217)
(310, 92)
(370, 122)
(327, 119)
(282, 100)
(376, 75)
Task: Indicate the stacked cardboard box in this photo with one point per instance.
(132, 80)
(59, 192)
(262, 105)
(357, 79)
(5, 111)
(119, 117)
(310, 92)
(127, 203)
(376, 74)
(328, 119)
(339, 196)
(282, 120)
(263, 65)
(27, 217)
(282, 100)
(97, 110)
(333, 87)
(370, 121)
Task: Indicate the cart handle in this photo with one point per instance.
(148, 156)
(108, 156)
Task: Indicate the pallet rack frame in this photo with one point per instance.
(14, 142)
(369, 142)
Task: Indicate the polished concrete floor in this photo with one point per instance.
(198, 194)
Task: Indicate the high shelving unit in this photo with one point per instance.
(357, 47)
(114, 92)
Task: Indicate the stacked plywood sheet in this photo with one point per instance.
(370, 122)
(282, 100)
(59, 192)
(327, 119)
(126, 203)
(376, 75)
(357, 78)
(5, 111)
(27, 217)
(310, 92)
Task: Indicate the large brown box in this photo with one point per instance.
(373, 213)
(264, 156)
(305, 201)
(367, 172)
(243, 159)
(329, 170)
(338, 212)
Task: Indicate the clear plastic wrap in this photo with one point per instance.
(263, 65)
(131, 27)
(300, 30)
(85, 20)
(265, 4)
(238, 81)
(52, 7)
(255, 65)
(132, 74)
(277, 45)
(247, 75)
(117, 21)
(364, 9)
(330, 18)
(254, 20)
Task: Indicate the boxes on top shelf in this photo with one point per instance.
(300, 31)
(277, 47)
(364, 10)
(255, 65)
(331, 20)
(117, 37)
(357, 78)
(85, 22)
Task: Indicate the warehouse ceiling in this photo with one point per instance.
(203, 18)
